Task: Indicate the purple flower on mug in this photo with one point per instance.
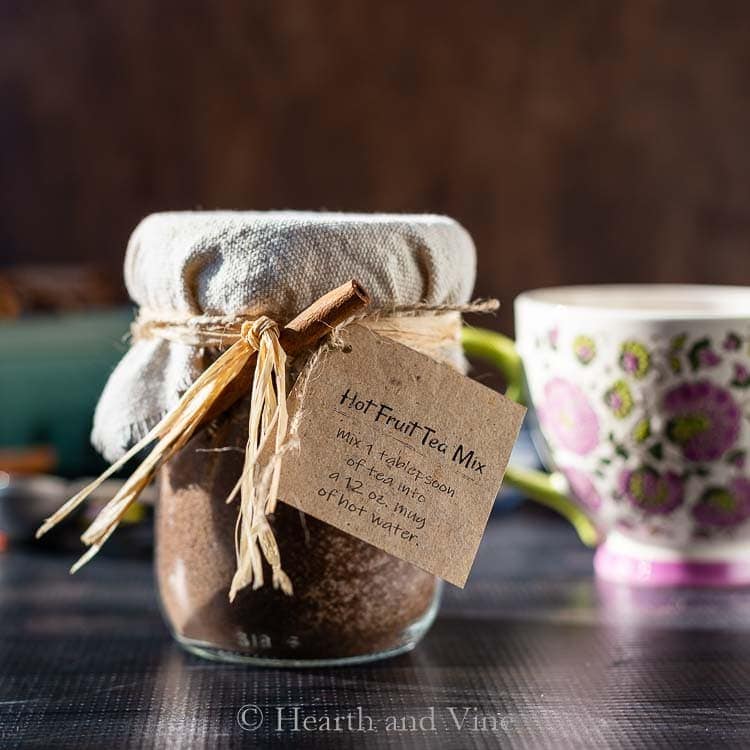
(619, 399)
(720, 506)
(709, 358)
(568, 417)
(704, 419)
(583, 488)
(740, 376)
(650, 491)
(701, 354)
(635, 359)
(584, 347)
(732, 342)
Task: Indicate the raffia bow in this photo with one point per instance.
(268, 412)
(254, 537)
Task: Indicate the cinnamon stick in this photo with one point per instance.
(299, 334)
(177, 427)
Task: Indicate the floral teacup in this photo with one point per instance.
(642, 395)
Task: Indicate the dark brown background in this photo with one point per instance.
(577, 141)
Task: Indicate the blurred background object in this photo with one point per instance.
(56, 288)
(577, 141)
(52, 369)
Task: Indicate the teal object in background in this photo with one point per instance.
(52, 370)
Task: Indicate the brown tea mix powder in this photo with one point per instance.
(350, 598)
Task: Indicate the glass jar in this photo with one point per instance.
(191, 272)
(351, 603)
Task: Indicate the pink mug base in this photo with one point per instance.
(621, 567)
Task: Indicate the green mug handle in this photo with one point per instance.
(539, 486)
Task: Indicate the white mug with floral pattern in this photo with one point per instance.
(642, 397)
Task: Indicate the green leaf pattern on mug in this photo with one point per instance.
(642, 430)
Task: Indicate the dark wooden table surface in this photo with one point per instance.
(534, 653)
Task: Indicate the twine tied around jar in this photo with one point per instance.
(256, 359)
